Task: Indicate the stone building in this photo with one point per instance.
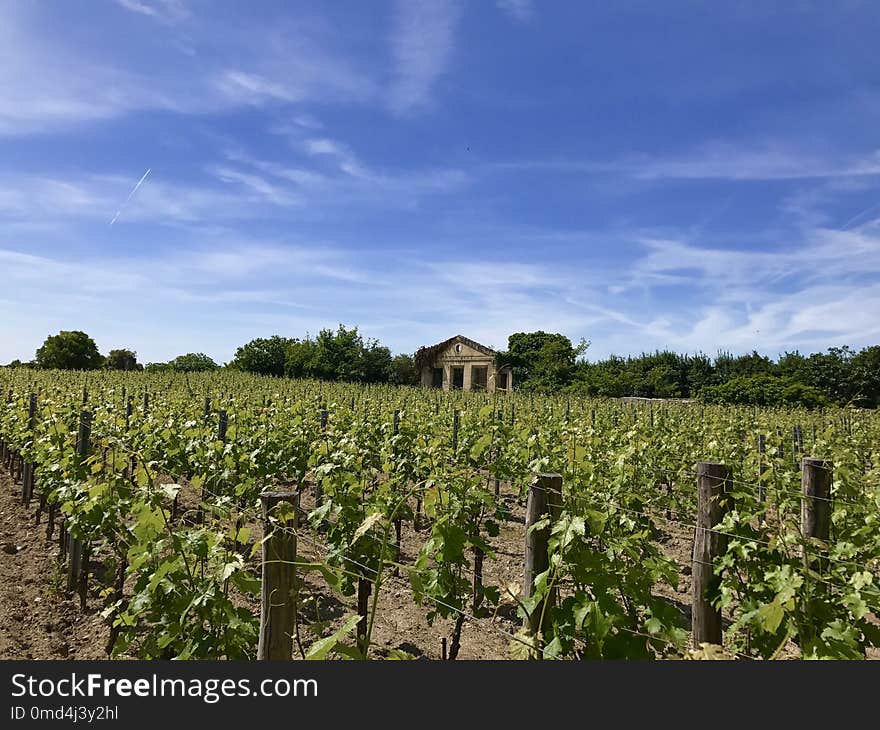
(462, 364)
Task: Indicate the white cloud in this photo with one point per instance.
(738, 162)
(422, 44)
(519, 10)
(48, 81)
(266, 190)
(810, 293)
(44, 84)
(250, 88)
(96, 197)
(341, 177)
(732, 161)
(169, 11)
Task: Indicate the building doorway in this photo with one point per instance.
(479, 376)
(457, 378)
(502, 381)
(437, 378)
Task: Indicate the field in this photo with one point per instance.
(136, 523)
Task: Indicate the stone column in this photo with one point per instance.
(466, 384)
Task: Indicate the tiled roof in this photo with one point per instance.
(427, 356)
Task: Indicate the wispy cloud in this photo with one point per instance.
(422, 43)
(43, 84)
(169, 11)
(332, 174)
(346, 160)
(48, 82)
(731, 161)
(739, 162)
(519, 10)
(266, 190)
(46, 199)
(250, 88)
(808, 293)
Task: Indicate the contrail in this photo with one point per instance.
(852, 220)
(133, 191)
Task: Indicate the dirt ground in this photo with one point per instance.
(39, 620)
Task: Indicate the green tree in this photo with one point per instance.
(340, 354)
(122, 360)
(376, 363)
(830, 373)
(301, 359)
(404, 371)
(865, 376)
(541, 360)
(193, 362)
(69, 350)
(263, 355)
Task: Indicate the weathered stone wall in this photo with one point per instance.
(460, 354)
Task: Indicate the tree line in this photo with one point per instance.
(342, 354)
(541, 362)
(548, 362)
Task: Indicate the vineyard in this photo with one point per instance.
(231, 516)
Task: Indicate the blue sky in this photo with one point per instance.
(691, 175)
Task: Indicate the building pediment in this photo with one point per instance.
(458, 347)
(461, 363)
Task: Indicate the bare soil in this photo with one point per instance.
(39, 620)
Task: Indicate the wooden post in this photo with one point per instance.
(62, 541)
(27, 484)
(398, 522)
(27, 487)
(364, 589)
(545, 498)
(319, 491)
(207, 406)
(222, 425)
(712, 479)
(50, 517)
(278, 607)
(75, 558)
(762, 467)
(495, 457)
(478, 590)
(816, 504)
